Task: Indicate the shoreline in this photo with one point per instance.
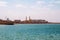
(11, 23)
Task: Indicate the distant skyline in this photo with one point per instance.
(37, 9)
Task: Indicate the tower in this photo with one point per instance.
(29, 18)
(26, 18)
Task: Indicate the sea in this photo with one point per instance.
(30, 32)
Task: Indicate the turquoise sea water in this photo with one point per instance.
(30, 32)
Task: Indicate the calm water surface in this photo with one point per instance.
(30, 32)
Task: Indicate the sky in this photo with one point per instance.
(36, 9)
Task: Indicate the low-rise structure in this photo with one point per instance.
(17, 21)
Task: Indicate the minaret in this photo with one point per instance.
(26, 18)
(29, 18)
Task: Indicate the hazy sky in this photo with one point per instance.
(37, 9)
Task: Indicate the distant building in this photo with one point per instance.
(30, 21)
(38, 21)
(17, 21)
(6, 22)
(33, 21)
